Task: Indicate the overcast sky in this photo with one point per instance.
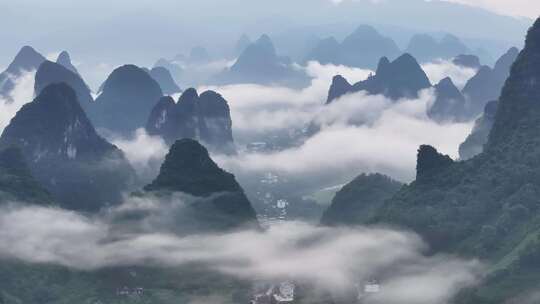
(141, 31)
(527, 8)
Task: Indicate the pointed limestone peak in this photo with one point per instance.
(64, 59)
(28, 59)
(188, 168)
(340, 86)
(430, 162)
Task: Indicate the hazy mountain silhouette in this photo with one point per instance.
(486, 85)
(65, 60)
(467, 61)
(206, 118)
(165, 80)
(326, 51)
(425, 48)
(362, 49)
(176, 71)
(50, 73)
(127, 97)
(65, 154)
(260, 64)
(449, 105)
(241, 45)
(199, 54)
(26, 60)
(221, 202)
(474, 144)
(402, 78)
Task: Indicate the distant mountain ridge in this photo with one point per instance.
(361, 49)
(402, 78)
(487, 84)
(425, 48)
(405, 78)
(176, 71)
(259, 63)
(165, 80)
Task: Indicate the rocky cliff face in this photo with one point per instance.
(206, 118)
(64, 152)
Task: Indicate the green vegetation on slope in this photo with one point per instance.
(358, 201)
(487, 206)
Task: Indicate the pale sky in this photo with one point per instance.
(526, 8)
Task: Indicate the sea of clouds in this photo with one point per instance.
(358, 133)
(331, 258)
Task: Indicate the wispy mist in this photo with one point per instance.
(440, 69)
(144, 152)
(22, 93)
(359, 133)
(329, 257)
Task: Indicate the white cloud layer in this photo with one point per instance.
(22, 93)
(386, 144)
(144, 152)
(328, 257)
(258, 109)
(440, 69)
(384, 137)
(359, 133)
